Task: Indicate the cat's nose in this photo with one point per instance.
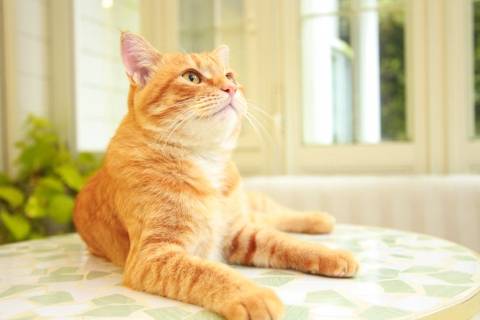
(229, 88)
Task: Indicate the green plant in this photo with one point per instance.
(476, 58)
(392, 75)
(39, 201)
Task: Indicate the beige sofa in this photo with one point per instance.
(444, 206)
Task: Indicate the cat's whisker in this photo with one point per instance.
(260, 126)
(177, 124)
(175, 128)
(259, 123)
(263, 130)
(260, 111)
(254, 128)
(182, 117)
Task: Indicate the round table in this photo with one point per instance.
(402, 276)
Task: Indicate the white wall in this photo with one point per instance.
(32, 65)
(101, 88)
(27, 68)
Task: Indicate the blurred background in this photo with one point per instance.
(388, 89)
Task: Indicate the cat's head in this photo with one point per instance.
(191, 99)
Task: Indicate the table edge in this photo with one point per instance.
(464, 310)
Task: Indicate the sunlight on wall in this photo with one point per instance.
(32, 70)
(101, 84)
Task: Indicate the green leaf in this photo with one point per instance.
(64, 270)
(96, 274)
(453, 277)
(444, 291)
(39, 148)
(51, 183)
(33, 209)
(35, 235)
(87, 163)
(382, 313)
(113, 311)
(396, 286)
(71, 176)
(296, 313)
(4, 179)
(113, 299)
(52, 298)
(35, 157)
(167, 313)
(16, 289)
(37, 122)
(273, 281)
(330, 297)
(12, 195)
(17, 225)
(60, 208)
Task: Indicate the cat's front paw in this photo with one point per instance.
(255, 304)
(338, 263)
(320, 222)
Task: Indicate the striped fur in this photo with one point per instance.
(156, 210)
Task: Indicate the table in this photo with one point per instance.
(403, 276)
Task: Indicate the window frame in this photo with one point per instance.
(386, 157)
(9, 83)
(464, 148)
(62, 109)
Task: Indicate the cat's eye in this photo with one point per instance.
(230, 77)
(192, 76)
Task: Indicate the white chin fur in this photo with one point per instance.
(217, 131)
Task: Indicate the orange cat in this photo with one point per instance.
(168, 204)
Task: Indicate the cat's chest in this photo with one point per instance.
(209, 236)
(213, 169)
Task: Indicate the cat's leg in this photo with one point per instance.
(167, 270)
(266, 211)
(266, 247)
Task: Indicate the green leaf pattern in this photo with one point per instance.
(59, 274)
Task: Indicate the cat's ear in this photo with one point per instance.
(223, 53)
(139, 58)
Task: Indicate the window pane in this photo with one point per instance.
(353, 71)
(197, 31)
(101, 86)
(392, 75)
(476, 35)
(205, 24)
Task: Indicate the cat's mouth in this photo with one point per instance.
(224, 109)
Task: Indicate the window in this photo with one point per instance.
(101, 86)
(353, 63)
(353, 86)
